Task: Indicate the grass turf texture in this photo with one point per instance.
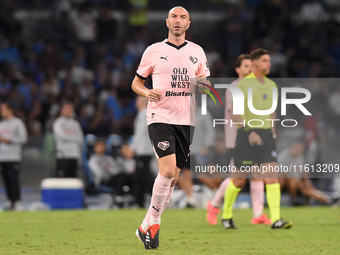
(315, 231)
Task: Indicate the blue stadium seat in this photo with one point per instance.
(130, 140)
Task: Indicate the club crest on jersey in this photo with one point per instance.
(163, 145)
(153, 115)
(194, 60)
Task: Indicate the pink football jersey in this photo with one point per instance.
(230, 132)
(171, 68)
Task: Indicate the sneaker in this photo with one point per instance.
(152, 236)
(228, 223)
(17, 206)
(212, 213)
(280, 224)
(261, 220)
(190, 202)
(117, 201)
(141, 235)
(8, 206)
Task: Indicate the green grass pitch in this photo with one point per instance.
(315, 231)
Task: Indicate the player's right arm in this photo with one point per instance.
(138, 87)
(145, 69)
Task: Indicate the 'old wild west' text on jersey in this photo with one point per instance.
(171, 68)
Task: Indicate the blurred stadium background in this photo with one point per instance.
(87, 52)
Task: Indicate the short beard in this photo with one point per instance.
(177, 34)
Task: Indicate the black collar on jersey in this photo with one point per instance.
(175, 46)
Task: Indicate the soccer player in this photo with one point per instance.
(256, 145)
(170, 112)
(243, 68)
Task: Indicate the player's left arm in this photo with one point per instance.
(273, 116)
(202, 75)
(202, 81)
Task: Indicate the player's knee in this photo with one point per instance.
(239, 182)
(271, 180)
(168, 172)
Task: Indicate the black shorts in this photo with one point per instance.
(247, 155)
(191, 162)
(170, 139)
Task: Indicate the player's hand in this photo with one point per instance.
(154, 95)
(201, 79)
(254, 139)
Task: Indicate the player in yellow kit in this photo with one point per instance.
(256, 145)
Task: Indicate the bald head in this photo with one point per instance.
(179, 9)
(178, 22)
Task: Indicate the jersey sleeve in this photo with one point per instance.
(146, 64)
(204, 66)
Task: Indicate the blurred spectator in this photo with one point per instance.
(13, 135)
(293, 156)
(104, 56)
(212, 55)
(312, 12)
(8, 25)
(60, 7)
(63, 34)
(106, 171)
(334, 101)
(31, 65)
(87, 88)
(51, 84)
(278, 60)
(233, 33)
(106, 25)
(69, 141)
(138, 14)
(100, 123)
(77, 72)
(49, 58)
(85, 25)
(137, 45)
(105, 168)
